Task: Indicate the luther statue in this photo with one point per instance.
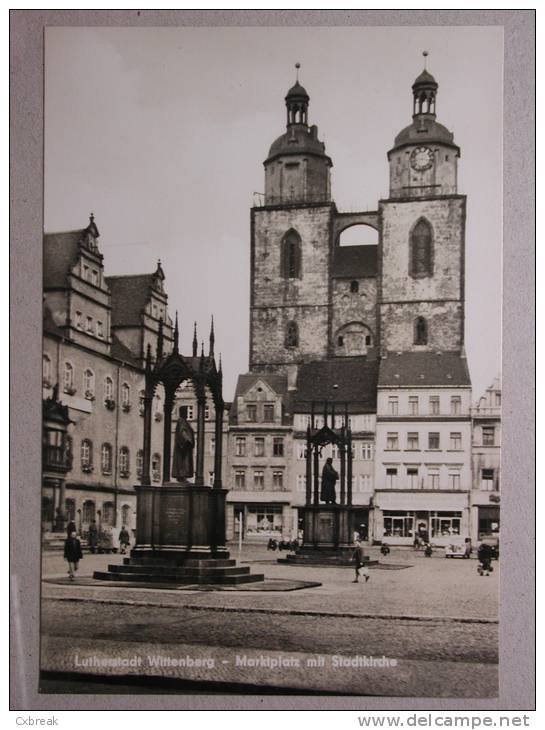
(329, 477)
(184, 443)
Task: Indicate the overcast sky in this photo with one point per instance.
(162, 133)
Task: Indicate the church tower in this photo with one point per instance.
(290, 247)
(423, 224)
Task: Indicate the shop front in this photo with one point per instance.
(259, 521)
(431, 517)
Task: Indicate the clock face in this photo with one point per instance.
(421, 158)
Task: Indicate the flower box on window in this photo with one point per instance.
(124, 473)
(109, 403)
(89, 395)
(158, 416)
(87, 468)
(155, 475)
(126, 407)
(69, 390)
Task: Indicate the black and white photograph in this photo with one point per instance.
(272, 361)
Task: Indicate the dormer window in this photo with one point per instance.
(78, 320)
(90, 327)
(94, 277)
(100, 329)
(268, 412)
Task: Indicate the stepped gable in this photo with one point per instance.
(351, 262)
(424, 369)
(356, 378)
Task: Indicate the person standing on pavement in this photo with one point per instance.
(124, 540)
(93, 536)
(72, 554)
(359, 557)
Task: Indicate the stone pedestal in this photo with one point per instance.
(180, 539)
(328, 535)
(178, 521)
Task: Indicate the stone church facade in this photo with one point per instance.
(377, 329)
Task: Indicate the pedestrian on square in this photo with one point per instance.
(359, 557)
(484, 555)
(72, 554)
(70, 528)
(93, 536)
(124, 540)
(428, 551)
(468, 548)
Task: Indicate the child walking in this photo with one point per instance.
(359, 557)
(72, 553)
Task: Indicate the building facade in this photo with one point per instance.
(486, 463)
(96, 329)
(377, 330)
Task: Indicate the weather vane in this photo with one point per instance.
(297, 67)
(425, 54)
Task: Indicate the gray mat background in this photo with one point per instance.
(517, 616)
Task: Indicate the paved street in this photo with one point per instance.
(452, 652)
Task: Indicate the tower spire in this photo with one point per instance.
(195, 341)
(212, 338)
(176, 333)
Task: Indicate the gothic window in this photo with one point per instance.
(421, 250)
(68, 378)
(420, 331)
(292, 334)
(291, 255)
(156, 467)
(139, 463)
(86, 455)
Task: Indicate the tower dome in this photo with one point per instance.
(297, 167)
(424, 157)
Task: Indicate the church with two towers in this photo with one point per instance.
(377, 329)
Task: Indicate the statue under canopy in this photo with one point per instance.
(329, 477)
(184, 443)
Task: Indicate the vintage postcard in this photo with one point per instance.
(272, 373)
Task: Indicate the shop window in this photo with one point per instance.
(264, 521)
(445, 524)
(278, 446)
(398, 524)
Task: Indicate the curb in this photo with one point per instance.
(280, 611)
